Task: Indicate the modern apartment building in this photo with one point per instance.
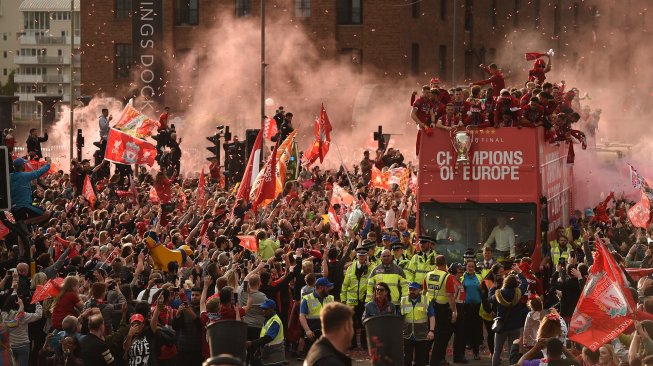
(10, 26)
(43, 57)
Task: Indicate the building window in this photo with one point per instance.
(123, 60)
(36, 20)
(469, 14)
(187, 12)
(536, 10)
(4, 72)
(303, 9)
(515, 13)
(4, 54)
(4, 36)
(123, 9)
(469, 60)
(414, 58)
(443, 9)
(442, 61)
(493, 12)
(352, 57)
(416, 10)
(243, 8)
(350, 11)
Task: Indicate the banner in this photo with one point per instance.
(135, 123)
(605, 308)
(125, 149)
(48, 290)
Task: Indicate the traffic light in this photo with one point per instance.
(223, 131)
(250, 139)
(381, 138)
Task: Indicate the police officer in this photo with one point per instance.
(419, 325)
(422, 262)
(560, 249)
(439, 288)
(389, 273)
(398, 256)
(309, 309)
(271, 340)
(372, 259)
(354, 290)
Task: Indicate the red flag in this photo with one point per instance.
(605, 308)
(322, 132)
(113, 255)
(270, 128)
(248, 242)
(268, 188)
(531, 56)
(252, 169)
(639, 214)
(380, 179)
(125, 149)
(65, 244)
(201, 192)
(88, 192)
(48, 290)
(154, 197)
(135, 123)
(637, 273)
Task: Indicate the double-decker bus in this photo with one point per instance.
(513, 177)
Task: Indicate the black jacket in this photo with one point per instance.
(322, 353)
(34, 144)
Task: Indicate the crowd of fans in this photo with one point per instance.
(118, 301)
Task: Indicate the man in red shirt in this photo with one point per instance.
(443, 96)
(538, 73)
(460, 105)
(505, 111)
(163, 119)
(449, 120)
(496, 79)
(423, 114)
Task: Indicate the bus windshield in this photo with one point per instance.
(457, 227)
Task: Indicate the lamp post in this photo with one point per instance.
(72, 84)
(263, 65)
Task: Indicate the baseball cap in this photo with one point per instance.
(385, 237)
(323, 282)
(269, 304)
(415, 285)
(137, 318)
(589, 212)
(19, 162)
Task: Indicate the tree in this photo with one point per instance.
(10, 88)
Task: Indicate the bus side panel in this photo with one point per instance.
(557, 184)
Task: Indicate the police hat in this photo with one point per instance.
(397, 246)
(360, 250)
(368, 244)
(426, 239)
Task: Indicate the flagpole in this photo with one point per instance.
(342, 161)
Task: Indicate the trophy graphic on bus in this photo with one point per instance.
(461, 139)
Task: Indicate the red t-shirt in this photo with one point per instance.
(424, 107)
(65, 306)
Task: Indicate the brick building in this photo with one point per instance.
(391, 40)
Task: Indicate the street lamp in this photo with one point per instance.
(72, 84)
